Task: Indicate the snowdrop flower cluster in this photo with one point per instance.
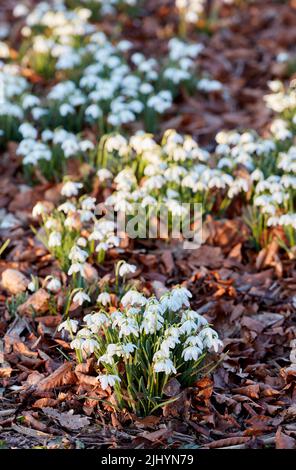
(190, 10)
(73, 232)
(52, 149)
(12, 89)
(175, 172)
(144, 343)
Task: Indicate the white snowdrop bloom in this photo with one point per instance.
(67, 207)
(191, 353)
(28, 131)
(77, 343)
(210, 338)
(128, 326)
(273, 221)
(38, 113)
(192, 315)
(194, 341)
(108, 380)
(152, 318)
(77, 254)
(126, 268)
(81, 242)
(54, 239)
(104, 298)
(257, 175)
(164, 364)
(102, 246)
(39, 209)
(54, 285)
(66, 109)
(71, 188)
(128, 349)
(85, 215)
(86, 145)
(30, 101)
(124, 45)
(169, 343)
(133, 298)
(88, 203)
(69, 325)
(279, 129)
(81, 297)
(89, 345)
(70, 147)
(76, 268)
(176, 299)
(93, 111)
(104, 174)
(31, 286)
(208, 85)
(239, 185)
(146, 88)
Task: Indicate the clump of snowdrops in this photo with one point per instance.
(74, 232)
(141, 346)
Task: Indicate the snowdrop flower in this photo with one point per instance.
(81, 297)
(77, 254)
(55, 239)
(54, 285)
(70, 189)
(108, 380)
(175, 299)
(191, 353)
(28, 131)
(133, 298)
(77, 343)
(104, 298)
(69, 325)
(210, 338)
(104, 174)
(89, 345)
(128, 349)
(162, 363)
(126, 268)
(39, 209)
(66, 207)
(76, 268)
(31, 286)
(81, 242)
(128, 326)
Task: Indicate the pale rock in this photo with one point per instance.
(14, 281)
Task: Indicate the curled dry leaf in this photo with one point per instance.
(61, 376)
(36, 303)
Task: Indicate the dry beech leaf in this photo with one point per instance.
(61, 376)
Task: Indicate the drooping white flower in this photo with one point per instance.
(104, 298)
(133, 298)
(54, 239)
(70, 188)
(107, 380)
(69, 325)
(81, 297)
(126, 268)
(53, 285)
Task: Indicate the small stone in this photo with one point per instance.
(90, 273)
(36, 303)
(14, 281)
